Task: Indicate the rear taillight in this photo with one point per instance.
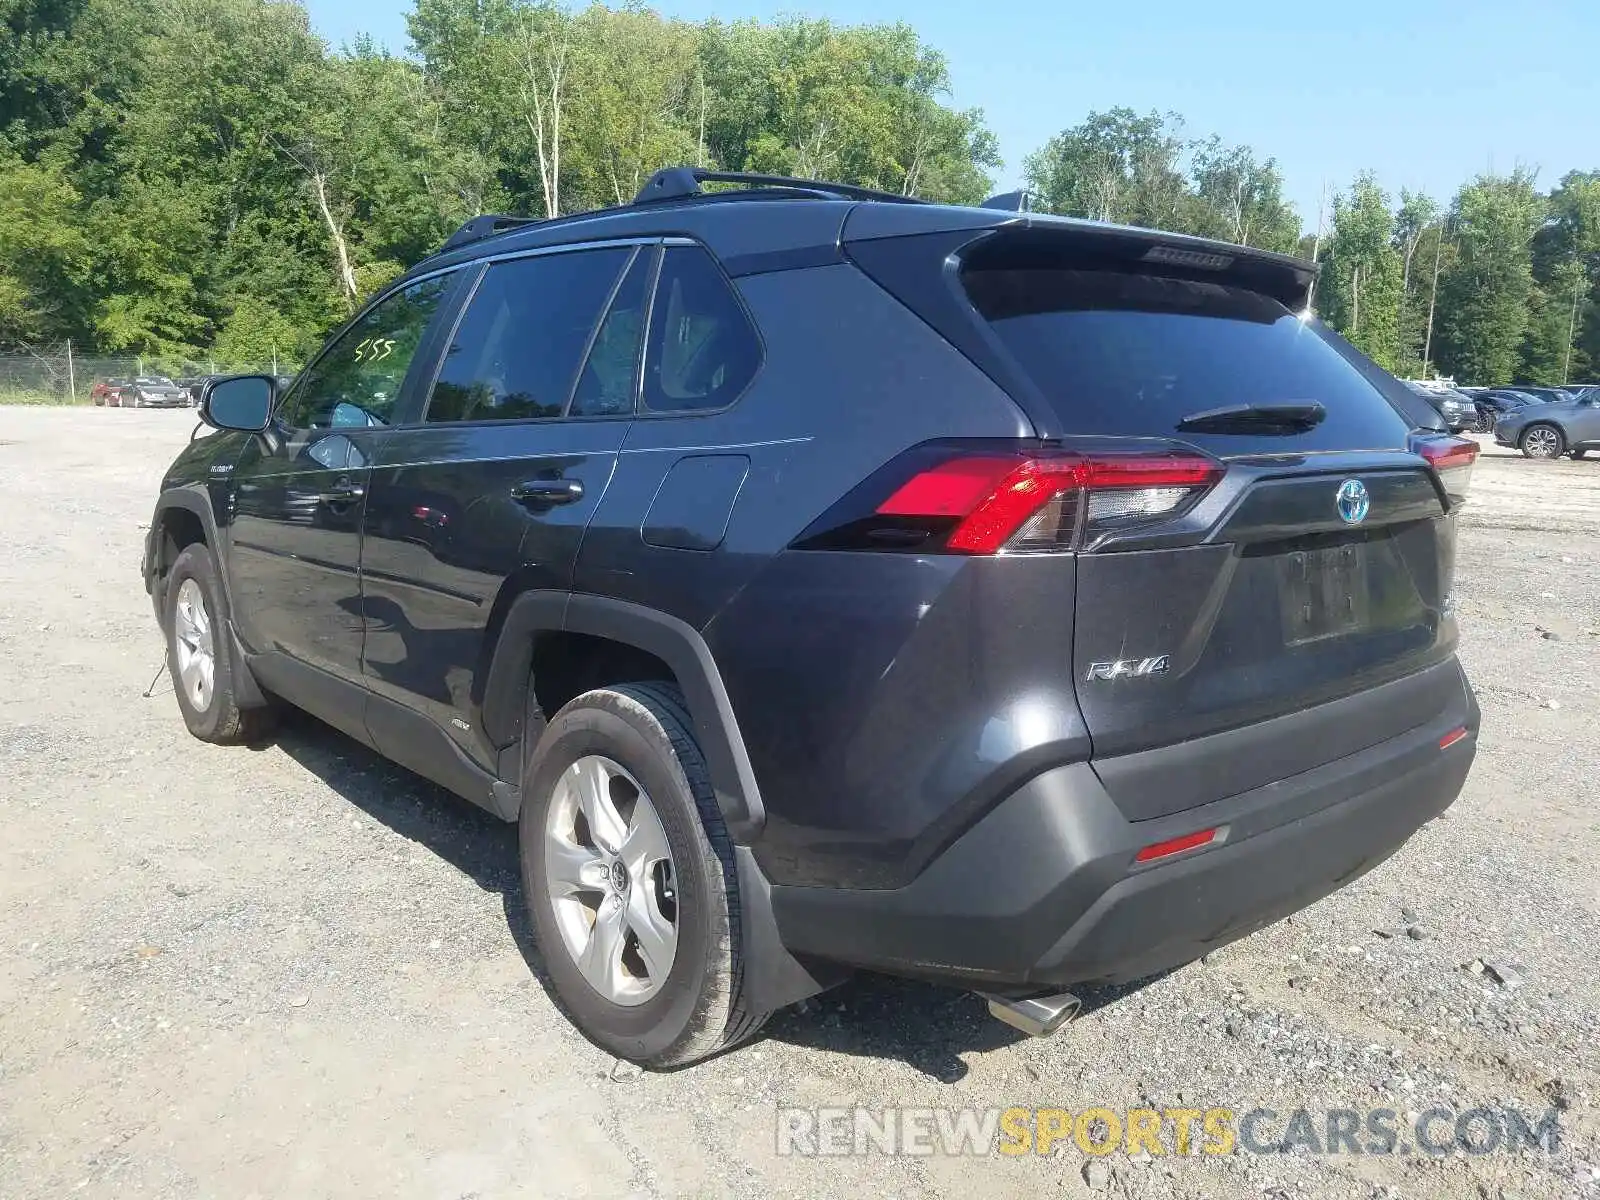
(1451, 459)
(1044, 501)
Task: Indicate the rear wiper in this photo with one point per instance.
(1256, 418)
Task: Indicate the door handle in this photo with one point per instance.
(344, 492)
(547, 491)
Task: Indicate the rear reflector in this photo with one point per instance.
(1451, 738)
(1033, 504)
(1176, 845)
(1452, 459)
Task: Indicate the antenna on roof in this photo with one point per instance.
(1010, 202)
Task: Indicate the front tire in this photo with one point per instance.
(1542, 441)
(199, 658)
(629, 878)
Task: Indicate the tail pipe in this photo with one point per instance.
(1036, 1016)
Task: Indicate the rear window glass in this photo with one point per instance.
(1125, 354)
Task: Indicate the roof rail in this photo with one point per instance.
(479, 228)
(1010, 202)
(683, 183)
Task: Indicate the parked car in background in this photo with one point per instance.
(1494, 403)
(1458, 410)
(1553, 429)
(1550, 395)
(108, 393)
(194, 385)
(155, 391)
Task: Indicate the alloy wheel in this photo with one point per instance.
(611, 881)
(1542, 442)
(192, 638)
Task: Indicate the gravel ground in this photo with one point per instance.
(299, 971)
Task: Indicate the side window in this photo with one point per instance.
(516, 351)
(702, 349)
(356, 382)
(611, 375)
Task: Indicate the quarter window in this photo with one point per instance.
(702, 349)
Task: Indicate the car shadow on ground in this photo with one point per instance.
(872, 1016)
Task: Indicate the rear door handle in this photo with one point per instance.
(344, 492)
(547, 491)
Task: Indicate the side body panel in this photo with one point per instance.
(445, 536)
(820, 652)
(295, 548)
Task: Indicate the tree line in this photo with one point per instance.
(178, 175)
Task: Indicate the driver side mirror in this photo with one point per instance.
(239, 402)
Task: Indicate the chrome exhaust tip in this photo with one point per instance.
(1037, 1016)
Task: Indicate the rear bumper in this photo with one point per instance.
(1044, 891)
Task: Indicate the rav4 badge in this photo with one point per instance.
(1129, 668)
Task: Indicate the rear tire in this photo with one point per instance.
(199, 655)
(655, 785)
(1542, 440)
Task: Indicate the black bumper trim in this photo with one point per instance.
(1044, 891)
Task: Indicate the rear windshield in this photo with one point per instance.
(1126, 354)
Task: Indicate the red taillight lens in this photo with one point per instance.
(1452, 459)
(1008, 506)
(951, 489)
(1047, 502)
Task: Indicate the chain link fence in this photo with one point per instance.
(58, 374)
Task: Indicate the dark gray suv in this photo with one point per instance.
(1551, 430)
(824, 580)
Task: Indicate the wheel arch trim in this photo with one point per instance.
(668, 638)
(193, 502)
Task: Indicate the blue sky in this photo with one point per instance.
(1425, 92)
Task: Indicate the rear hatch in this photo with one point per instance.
(1294, 608)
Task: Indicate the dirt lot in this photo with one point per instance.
(298, 971)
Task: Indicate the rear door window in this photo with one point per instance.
(610, 379)
(516, 351)
(1124, 354)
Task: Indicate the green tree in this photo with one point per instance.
(1362, 281)
(640, 79)
(1484, 299)
(1115, 166)
(1418, 239)
(1240, 198)
(1564, 338)
(44, 255)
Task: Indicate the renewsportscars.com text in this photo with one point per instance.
(1101, 1131)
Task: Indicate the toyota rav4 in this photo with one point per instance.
(824, 580)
